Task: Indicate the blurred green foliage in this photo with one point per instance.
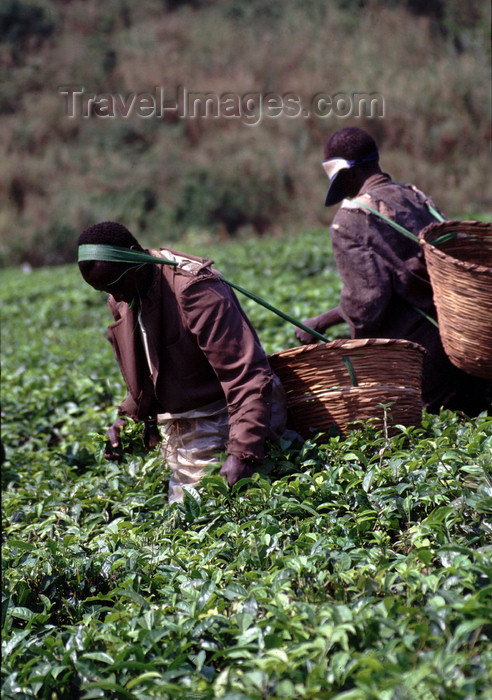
(176, 175)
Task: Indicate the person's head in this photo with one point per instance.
(351, 156)
(125, 281)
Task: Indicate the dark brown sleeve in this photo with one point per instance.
(226, 338)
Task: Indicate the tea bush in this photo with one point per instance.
(352, 568)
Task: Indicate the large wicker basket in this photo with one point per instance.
(460, 271)
(320, 393)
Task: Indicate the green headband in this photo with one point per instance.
(111, 253)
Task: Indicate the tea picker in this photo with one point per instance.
(191, 360)
(386, 290)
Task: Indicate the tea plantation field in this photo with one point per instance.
(357, 568)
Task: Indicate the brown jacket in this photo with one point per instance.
(202, 348)
(385, 278)
(384, 273)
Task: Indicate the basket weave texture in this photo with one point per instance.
(320, 394)
(460, 272)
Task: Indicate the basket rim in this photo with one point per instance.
(351, 344)
(445, 257)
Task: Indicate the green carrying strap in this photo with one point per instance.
(413, 237)
(393, 224)
(398, 227)
(441, 239)
(109, 253)
(435, 213)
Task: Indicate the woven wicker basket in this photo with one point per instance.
(460, 272)
(320, 394)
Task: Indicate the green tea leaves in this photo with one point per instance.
(352, 568)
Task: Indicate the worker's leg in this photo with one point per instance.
(190, 445)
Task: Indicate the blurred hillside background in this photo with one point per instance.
(184, 181)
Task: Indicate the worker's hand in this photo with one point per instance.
(234, 469)
(113, 446)
(151, 435)
(303, 336)
(319, 323)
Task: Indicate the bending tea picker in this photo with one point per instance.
(196, 373)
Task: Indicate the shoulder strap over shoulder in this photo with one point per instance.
(392, 223)
(396, 226)
(428, 203)
(189, 263)
(363, 201)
